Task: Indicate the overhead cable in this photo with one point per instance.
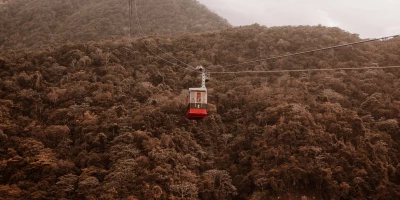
(311, 51)
(141, 32)
(304, 70)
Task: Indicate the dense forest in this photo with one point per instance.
(105, 120)
(38, 24)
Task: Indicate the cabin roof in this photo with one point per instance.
(198, 89)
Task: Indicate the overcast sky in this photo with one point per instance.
(369, 18)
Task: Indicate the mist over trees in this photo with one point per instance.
(37, 24)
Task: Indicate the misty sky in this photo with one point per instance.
(369, 18)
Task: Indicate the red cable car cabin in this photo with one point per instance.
(197, 103)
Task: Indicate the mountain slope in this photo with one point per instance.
(2, 2)
(106, 120)
(27, 24)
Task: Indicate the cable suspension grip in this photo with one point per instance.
(203, 76)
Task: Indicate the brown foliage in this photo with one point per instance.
(98, 20)
(106, 120)
(54, 134)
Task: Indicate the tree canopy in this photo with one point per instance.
(38, 24)
(106, 120)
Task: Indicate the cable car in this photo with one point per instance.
(197, 103)
(197, 100)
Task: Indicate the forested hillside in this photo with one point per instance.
(106, 120)
(37, 24)
(2, 2)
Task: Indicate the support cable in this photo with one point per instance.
(305, 70)
(315, 50)
(142, 34)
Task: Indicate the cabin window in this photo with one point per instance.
(192, 99)
(198, 97)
